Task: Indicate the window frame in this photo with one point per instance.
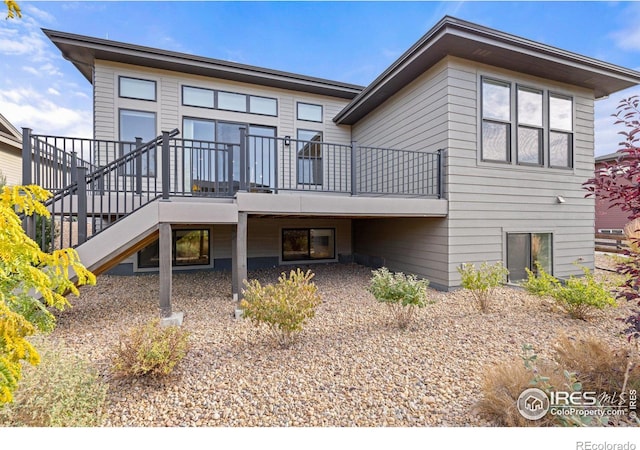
(540, 128)
(213, 92)
(514, 124)
(531, 265)
(508, 123)
(155, 88)
(309, 259)
(154, 174)
(216, 101)
(318, 160)
(148, 268)
(309, 104)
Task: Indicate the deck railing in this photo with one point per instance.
(90, 193)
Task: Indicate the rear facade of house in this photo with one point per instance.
(471, 147)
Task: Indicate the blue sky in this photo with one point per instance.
(346, 41)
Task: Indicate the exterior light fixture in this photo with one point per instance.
(287, 140)
(560, 199)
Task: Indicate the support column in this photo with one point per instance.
(234, 267)
(240, 253)
(165, 245)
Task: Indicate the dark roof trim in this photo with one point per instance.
(82, 51)
(467, 40)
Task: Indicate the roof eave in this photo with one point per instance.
(83, 51)
(455, 37)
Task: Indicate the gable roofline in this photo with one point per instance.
(455, 37)
(83, 51)
(10, 134)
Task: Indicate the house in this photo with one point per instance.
(609, 219)
(10, 152)
(472, 146)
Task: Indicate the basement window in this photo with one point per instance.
(304, 244)
(190, 248)
(524, 250)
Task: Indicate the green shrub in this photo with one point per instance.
(283, 307)
(62, 391)
(541, 284)
(483, 281)
(579, 296)
(151, 349)
(401, 293)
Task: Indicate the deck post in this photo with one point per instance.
(139, 167)
(81, 176)
(241, 253)
(27, 157)
(165, 245)
(354, 171)
(234, 266)
(243, 159)
(440, 173)
(165, 162)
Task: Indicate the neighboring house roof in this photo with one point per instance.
(470, 41)
(9, 134)
(82, 51)
(609, 157)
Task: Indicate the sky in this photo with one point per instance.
(351, 42)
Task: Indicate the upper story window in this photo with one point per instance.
(560, 131)
(309, 112)
(229, 101)
(525, 125)
(192, 96)
(137, 88)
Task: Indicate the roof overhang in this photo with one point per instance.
(455, 37)
(83, 51)
(9, 135)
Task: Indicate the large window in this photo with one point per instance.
(525, 125)
(192, 96)
(524, 250)
(139, 124)
(309, 150)
(190, 248)
(138, 89)
(301, 244)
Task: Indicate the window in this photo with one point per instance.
(529, 126)
(192, 96)
(525, 125)
(524, 250)
(190, 248)
(138, 124)
(309, 157)
(263, 105)
(496, 121)
(232, 102)
(138, 89)
(307, 111)
(302, 244)
(560, 134)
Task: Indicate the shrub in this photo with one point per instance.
(151, 349)
(62, 391)
(541, 284)
(283, 307)
(401, 293)
(580, 297)
(483, 281)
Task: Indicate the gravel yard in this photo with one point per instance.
(350, 366)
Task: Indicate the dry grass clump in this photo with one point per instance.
(598, 366)
(503, 384)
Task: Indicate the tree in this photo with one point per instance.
(31, 282)
(13, 9)
(619, 182)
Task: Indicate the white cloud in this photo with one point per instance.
(26, 107)
(44, 16)
(52, 91)
(628, 38)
